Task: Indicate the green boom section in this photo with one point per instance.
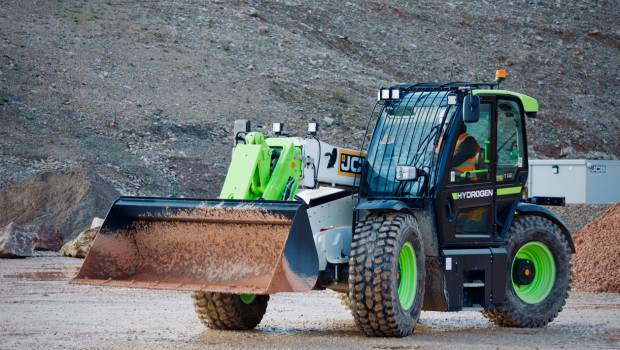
(263, 168)
(286, 173)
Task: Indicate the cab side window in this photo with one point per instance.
(509, 140)
(470, 160)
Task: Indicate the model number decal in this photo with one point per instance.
(472, 194)
(350, 162)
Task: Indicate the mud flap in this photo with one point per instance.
(229, 246)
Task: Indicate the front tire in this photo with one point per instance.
(535, 303)
(386, 275)
(230, 311)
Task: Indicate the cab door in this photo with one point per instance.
(511, 168)
(465, 207)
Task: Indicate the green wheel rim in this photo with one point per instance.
(544, 275)
(408, 275)
(247, 298)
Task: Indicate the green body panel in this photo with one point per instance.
(251, 174)
(530, 104)
(509, 190)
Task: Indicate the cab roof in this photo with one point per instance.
(530, 104)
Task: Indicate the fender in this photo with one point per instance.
(434, 294)
(422, 215)
(533, 209)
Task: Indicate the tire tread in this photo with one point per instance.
(371, 298)
(227, 311)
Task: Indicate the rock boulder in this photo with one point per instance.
(50, 237)
(17, 241)
(78, 247)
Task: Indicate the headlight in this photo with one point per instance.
(406, 173)
(395, 94)
(389, 94)
(452, 99)
(313, 128)
(385, 94)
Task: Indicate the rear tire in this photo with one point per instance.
(536, 304)
(382, 303)
(230, 311)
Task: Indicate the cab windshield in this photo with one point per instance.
(406, 134)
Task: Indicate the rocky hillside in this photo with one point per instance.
(141, 96)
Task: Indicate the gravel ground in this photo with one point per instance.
(40, 310)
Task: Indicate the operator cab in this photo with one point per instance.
(472, 169)
(455, 152)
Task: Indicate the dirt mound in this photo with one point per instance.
(68, 199)
(596, 264)
(577, 216)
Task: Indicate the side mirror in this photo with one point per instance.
(471, 108)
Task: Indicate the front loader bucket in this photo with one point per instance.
(228, 246)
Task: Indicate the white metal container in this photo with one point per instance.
(578, 180)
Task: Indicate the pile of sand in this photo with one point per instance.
(596, 264)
